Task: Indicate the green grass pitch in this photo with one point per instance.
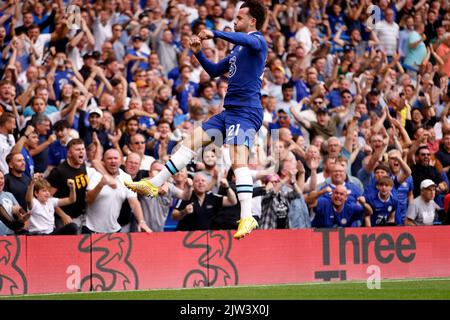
(410, 289)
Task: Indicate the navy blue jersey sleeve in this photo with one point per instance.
(213, 69)
(319, 220)
(253, 41)
(357, 212)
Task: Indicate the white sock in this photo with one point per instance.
(178, 161)
(244, 188)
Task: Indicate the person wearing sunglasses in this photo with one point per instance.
(422, 168)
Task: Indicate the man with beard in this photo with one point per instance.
(422, 170)
(7, 94)
(16, 181)
(73, 168)
(104, 201)
(211, 170)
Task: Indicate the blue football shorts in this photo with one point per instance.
(234, 126)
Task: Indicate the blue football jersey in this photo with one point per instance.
(245, 66)
(381, 209)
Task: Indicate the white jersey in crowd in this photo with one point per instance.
(7, 142)
(42, 218)
(388, 34)
(102, 214)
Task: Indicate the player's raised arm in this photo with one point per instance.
(254, 41)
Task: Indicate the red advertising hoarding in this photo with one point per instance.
(121, 261)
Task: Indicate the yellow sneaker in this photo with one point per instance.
(246, 225)
(143, 187)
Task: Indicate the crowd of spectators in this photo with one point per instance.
(93, 93)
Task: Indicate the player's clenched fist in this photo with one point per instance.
(206, 34)
(70, 183)
(189, 209)
(195, 44)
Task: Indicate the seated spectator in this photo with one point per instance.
(336, 211)
(10, 211)
(42, 206)
(196, 213)
(383, 204)
(16, 181)
(422, 211)
(227, 217)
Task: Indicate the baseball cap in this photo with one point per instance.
(92, 54)
(136, 37)
(88, 55)
(426, 184)
(97, 111)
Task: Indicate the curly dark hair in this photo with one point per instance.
(257, 10)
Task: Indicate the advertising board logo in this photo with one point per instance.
(111, 268)
(12, 278)
(214, 264)
(384, 247)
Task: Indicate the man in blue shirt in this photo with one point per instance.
(136, 55)
(58, 149)
(183, 88)
(336, 211)
(338, 177)
(243, 114)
